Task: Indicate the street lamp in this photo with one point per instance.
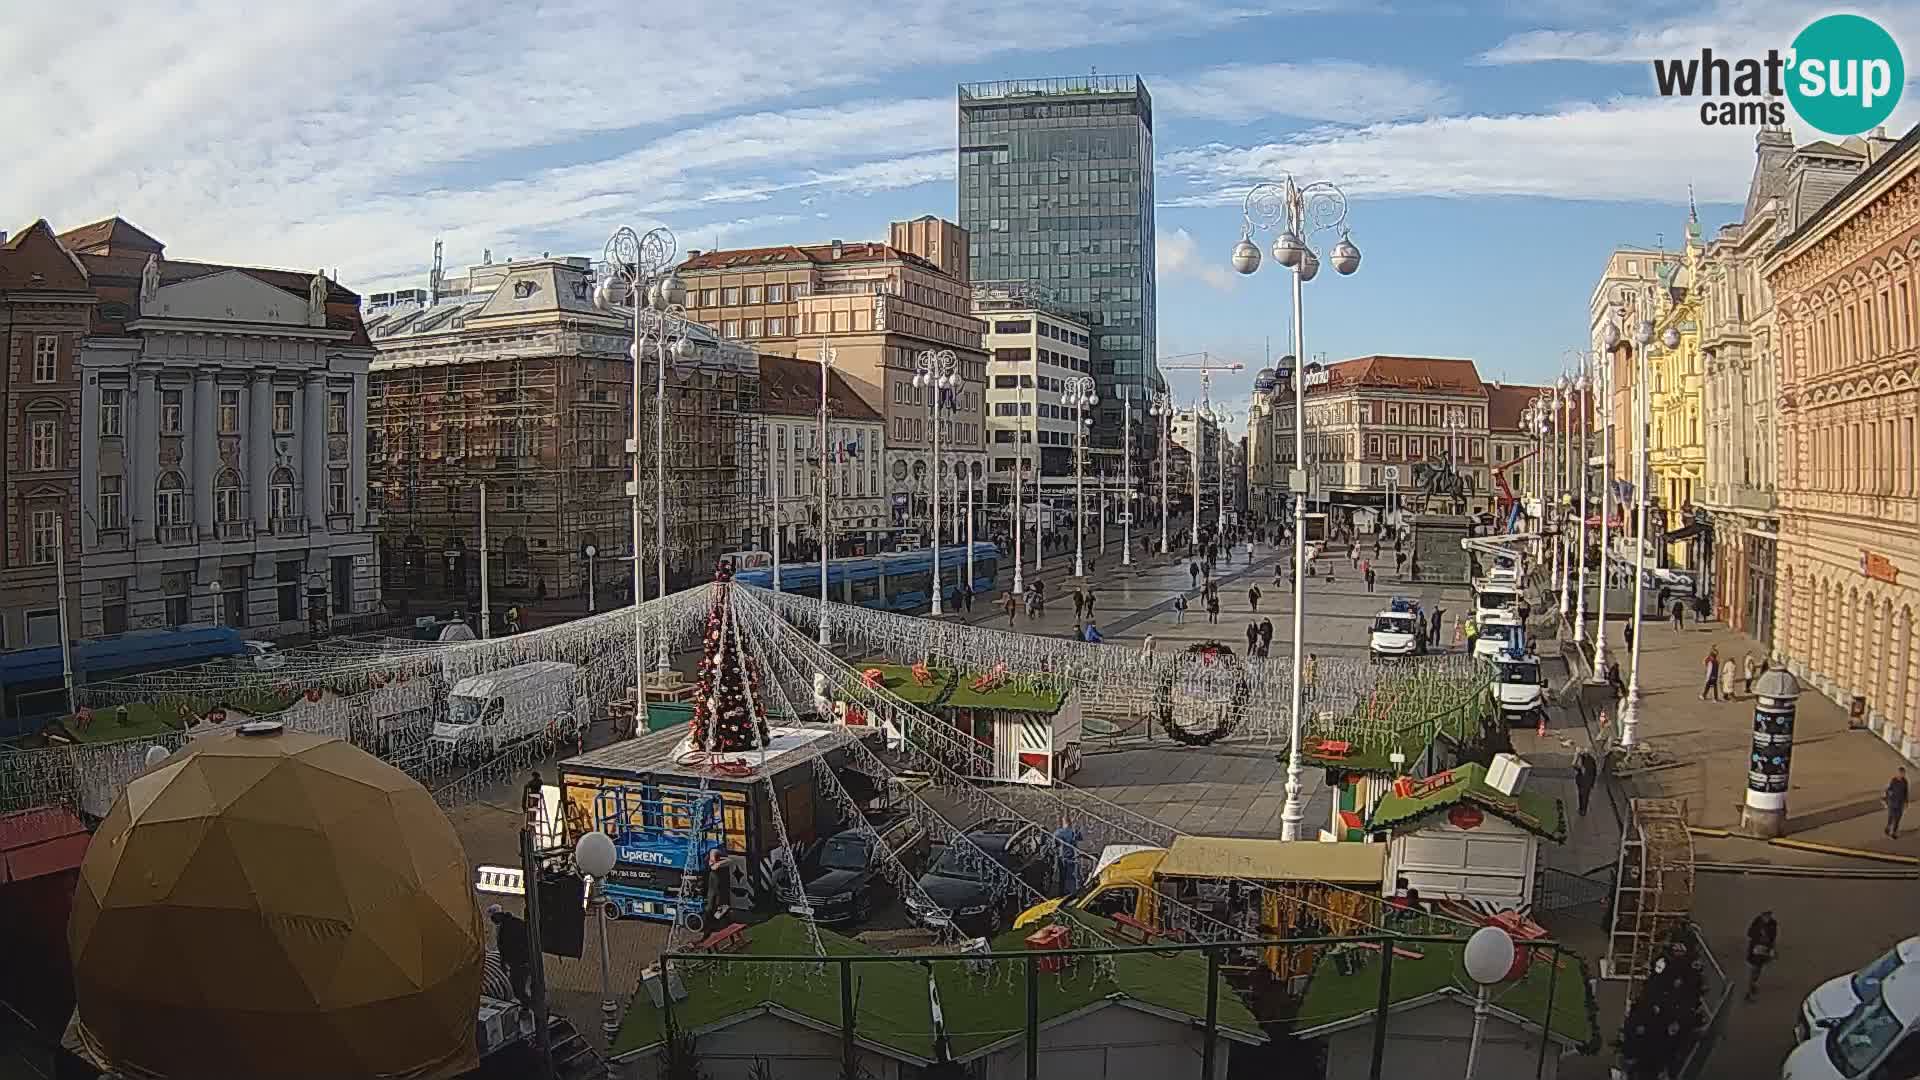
(1489, 959)
(640, 279)
(1161, 410)
(1300, 214)
(1642, 337)
(594, 856)
(591, 552)
(827, 355)
(1222, 418)
(1080, 397)
(1019, 474)
(1564, 440)
(1126, 474)
(938, 372)
(972, 470)
(214, 588)
(1604, 361)
(1582, 404)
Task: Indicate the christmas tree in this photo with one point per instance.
(729, 711)
(1664, 1021)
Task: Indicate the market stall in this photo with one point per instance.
(1457, 835)
(1032, 724)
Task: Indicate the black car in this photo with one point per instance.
(972, 895)
(845, 882)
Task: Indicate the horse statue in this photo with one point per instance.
(1439, 480)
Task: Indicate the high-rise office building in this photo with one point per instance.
(1056, 188)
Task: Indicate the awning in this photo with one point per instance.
(1688, 532)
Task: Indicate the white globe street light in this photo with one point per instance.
(938, 374)
(1489, 958)
(1162, 412)
(594, 856)
(1080, 397)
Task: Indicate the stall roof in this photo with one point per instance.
(659, 753)
(1542, 815)
(954, 690)
(40, 841)
(1275, 860)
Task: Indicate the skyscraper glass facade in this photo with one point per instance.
(1056, 189)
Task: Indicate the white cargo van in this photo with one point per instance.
(488, 712)
(1879, 1039)
(1518, 687)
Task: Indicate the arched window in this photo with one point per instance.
(227, 508)
(170, 500)
(280, 492)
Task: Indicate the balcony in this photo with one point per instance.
(288, 526)
(233, 530)
(175, 534)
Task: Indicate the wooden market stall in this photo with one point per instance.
(1455, 836)
(1031, 724)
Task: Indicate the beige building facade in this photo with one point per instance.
(1035, 348)
(1845, 290)
(877, 308)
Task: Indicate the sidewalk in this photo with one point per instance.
(1838, 773)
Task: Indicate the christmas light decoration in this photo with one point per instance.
(726, 718)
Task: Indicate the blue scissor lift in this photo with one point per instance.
(660, 835)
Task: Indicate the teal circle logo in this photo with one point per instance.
(1846, 74)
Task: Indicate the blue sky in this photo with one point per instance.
(1493, 153)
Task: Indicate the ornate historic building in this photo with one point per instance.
(1845, 291)
(1630, 271)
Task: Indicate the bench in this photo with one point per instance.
(728, 939)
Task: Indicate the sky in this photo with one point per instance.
(1492, 153)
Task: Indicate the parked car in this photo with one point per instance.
(264, 656)
(843, 882)
(1879, 1039)
(1832, 1001)
(975, 898)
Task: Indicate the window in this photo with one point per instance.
(177, 587)
(1633, 267)
(341, 567)
(226, 497)
(730, 328)
(753, 328)
(729, 297)
(229, 412)
(286, 589)
(753, 294)
(337, 492)
(337, 412)
(110, 402)
(43, 440)
(280, 495)
(776, 327)
(170, 501)
(112, 510)
(42, 535)
(113, 605)
(46, 358)
(169, 412)
(283, 412)
(233, 595)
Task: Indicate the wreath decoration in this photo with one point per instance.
(1210, 653)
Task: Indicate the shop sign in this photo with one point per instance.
(1878, 567)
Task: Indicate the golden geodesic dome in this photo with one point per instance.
(277, 904)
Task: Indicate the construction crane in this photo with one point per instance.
(1207, 365)
(1507, 498)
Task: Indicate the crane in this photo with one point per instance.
(1206, 366)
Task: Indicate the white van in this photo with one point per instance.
(1498, 629)
(1879, 1039)
(487, 713)
(1397, 633)
(1832, 1001)
(1491, 600)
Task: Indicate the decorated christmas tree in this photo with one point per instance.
(729, 711)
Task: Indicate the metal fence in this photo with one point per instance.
(1218, 1015)
(1718, 992)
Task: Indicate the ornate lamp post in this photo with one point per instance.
(1080, 397)
(1126, 481)
(1019, 474)
(1604, 360)
(938, 372)
(1642, 338)
(826, 536)
(1581, 404)
(1162, 412)
(971, 470)
(639, 277)
(1300, 214)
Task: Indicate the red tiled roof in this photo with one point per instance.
(813, 254)
(33, 258)
(1506, 402)
(114, 236)
(791, 387)
(41, 841)
(1434, 375)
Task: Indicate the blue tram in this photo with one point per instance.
(897, 581)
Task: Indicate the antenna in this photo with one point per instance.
(434, 278)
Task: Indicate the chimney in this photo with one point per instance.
(693, 253)
(837, 249)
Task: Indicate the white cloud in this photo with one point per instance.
(1331, 90)
(1604, 35)
(351, 133)
(1177, 255)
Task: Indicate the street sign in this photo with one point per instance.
(1393, 474)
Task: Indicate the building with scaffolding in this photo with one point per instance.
(512, 382)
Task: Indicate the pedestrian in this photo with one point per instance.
(1369, 573)
(720, 881)
(1473, 633)
(1585, 771)
(1266, 636)
(1726, 681)
(1626, 631)
(510, 932)
(1091, 635)
(1249, 553)
(1310, 675)
(1253, 639)
(1253, 598)
(1763, 936)
(1010, 605)
(1526, 611)
(1679, 616)
(1713, 675)
(966, 599)
(1179, 610)
(1033, 602)
(1896, 799)
(1399, 558)
(1613, 679)
(1749, 671)
(1193, 571)
(1040, 596)
(1213, 607)
(1090, 599)
(1434, 635)
(1148, 645)
(1079, 606)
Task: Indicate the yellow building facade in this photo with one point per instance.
(1677, 451)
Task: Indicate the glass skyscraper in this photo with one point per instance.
(1056, 188)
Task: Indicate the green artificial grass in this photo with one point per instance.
(898, 680)
(951, 690)
(1542, 815)
(1332, 997)
(892, 1008)
(1406, 713)
(143, 721)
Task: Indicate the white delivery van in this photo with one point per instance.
(1832, 1001)
(489, 712)
(1878, 1040)
(1498, 630)
(1397, 633)
(1519, 688)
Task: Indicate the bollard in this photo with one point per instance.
(1771, 759)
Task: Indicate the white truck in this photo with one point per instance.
(1497, 631)
(1518, 687)
(1399, 631)
(489, 712)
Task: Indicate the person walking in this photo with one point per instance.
(1369, 573)
(1726, 681)
(1266, 636)
(1749, 671)
(1585, 771)
(1253, 639)
(1193, 571)
(1763, 937)
(510, 933)
(1679, 616)
(1179, 610)
(1010, 605)
(1399, 559)
(1896, 800)
(1626, 631)
(1213, 607)
(1079, 606)
(1040, 597)
(1713, 675)
(1473, 633)
(1090, 599)
(966, 599)
(1253, 598)
(1614, 680)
